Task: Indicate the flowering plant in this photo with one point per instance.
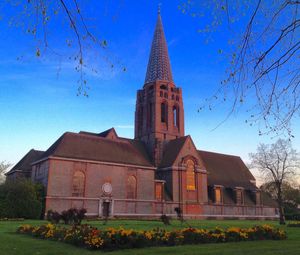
(112, 238)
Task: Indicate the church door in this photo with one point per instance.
(105, 209)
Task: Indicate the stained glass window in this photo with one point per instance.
(190, 175)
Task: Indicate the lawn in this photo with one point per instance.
(12, 243)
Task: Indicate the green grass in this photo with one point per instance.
(15, 244)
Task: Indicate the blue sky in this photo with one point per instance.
(38, 99)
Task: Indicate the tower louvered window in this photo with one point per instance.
(164, 112)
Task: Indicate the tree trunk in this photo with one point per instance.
(280, 207)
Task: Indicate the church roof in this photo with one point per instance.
(90, 147)
(227, 170)
(24, 164)
(159, 67)
(171, 151)
(102, 134)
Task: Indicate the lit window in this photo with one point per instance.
(78, 184)
(190, 175)
(131, 187)
(218, 195)
(159, 191)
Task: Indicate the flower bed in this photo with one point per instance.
(109, 239)
(294, 224)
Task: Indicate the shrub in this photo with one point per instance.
(18, 199)
(165, 219)
(292, 216)
(71, 216)
(53, 216)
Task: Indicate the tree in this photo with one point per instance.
(3, 168)
(290, 195)
(263, 63)
(19, 199)
(278, 163)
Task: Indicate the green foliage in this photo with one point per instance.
(19, 199)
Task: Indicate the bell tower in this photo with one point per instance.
(159, 115)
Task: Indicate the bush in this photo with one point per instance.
(53, 217)
(165, 219)
(18, 199)
(71, 216)
(292, 216)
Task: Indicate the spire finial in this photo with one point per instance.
(158, 8)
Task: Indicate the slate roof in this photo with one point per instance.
(227, 170)
(171, 151)
(24, 164)
(159, 67)
(102, 134)
(90, 147)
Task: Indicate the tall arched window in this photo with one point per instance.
(176, 116)
(164, 112)
(131, 187)
(190, 175)
(78, 184)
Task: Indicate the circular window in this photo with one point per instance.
(107, 188)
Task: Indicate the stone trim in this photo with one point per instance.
(95, 162)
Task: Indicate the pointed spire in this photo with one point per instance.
(159, 67)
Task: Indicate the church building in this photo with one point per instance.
(159, 170)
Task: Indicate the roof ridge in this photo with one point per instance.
(229, 155)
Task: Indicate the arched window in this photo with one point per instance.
(131, 187)
(176, 116)
(164, 112)
(190, 175)
(78, 184)
(166, 95)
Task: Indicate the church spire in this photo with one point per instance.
(159, 67)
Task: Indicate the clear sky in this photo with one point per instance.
(38, 99)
